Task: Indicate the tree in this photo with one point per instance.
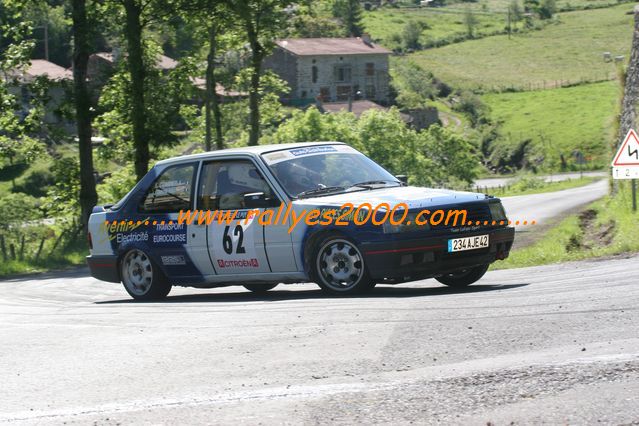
(547, 9)
(17, 147)
(135, 60)
(82, 97)
(414, 85)
(432, 156)
(350, 12)
(211, 104)
(411, 34)
(516, 13)
(215, 20)
(470, 21)
(263, 21)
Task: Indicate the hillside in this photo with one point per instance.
(558, 121)
(569, 50)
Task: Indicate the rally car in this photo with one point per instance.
(141, 242)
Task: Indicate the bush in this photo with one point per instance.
(116, 186)
(36, 183)
(17, 209)
(411, 34)
(434, 156)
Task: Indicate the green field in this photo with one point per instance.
(502, 5)
(559, 121)
(570, 50)
(440, 24)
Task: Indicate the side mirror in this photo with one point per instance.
(403, 179)
(258, 200)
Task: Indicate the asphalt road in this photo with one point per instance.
(557, 177)
(548, 208)
(554, 344)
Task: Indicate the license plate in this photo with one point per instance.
(468, 243)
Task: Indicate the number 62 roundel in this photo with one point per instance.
(234, 247)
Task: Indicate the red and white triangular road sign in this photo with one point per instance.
(628, 154)
(626, 162)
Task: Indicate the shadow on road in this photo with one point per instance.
(277, 295)
(72, 272)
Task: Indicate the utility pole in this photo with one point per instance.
(46, 40)
(509, 28)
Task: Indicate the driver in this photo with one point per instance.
(302, 174)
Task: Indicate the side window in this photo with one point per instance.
(171, 192)
(223, 184)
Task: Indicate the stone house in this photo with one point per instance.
(60, 83)
(331, 69)
(101, 67)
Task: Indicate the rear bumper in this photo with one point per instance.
(407, 260)
(104, 268)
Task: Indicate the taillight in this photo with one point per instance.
(90, 240)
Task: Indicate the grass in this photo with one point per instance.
(612, 230)
(570, 50)
(528, 186)
(558, 121)
(73, 256)
(440, 24)
(502, 5)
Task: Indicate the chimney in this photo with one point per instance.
(366, 38)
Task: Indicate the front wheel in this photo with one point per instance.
(463, 277)
(339, 268)
(259, 288)
(141, 279)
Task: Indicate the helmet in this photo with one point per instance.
(245, 174)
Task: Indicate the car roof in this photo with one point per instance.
(253, 150)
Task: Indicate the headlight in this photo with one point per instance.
(497, 212)
(408, 224)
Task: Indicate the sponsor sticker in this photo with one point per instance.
(173, 260)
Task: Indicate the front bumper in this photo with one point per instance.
(104, 268)
(407, 260)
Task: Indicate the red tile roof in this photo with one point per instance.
(330, 46)
(163, 62)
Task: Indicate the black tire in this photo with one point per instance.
(463, 277)
(338, 266)
(142, 278)
(259, 288)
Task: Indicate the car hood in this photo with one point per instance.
(415, 197)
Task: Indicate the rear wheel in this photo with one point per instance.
(260, 288)
(141, 279)
(463, 277)
(339, 267)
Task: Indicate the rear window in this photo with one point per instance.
(171, 191)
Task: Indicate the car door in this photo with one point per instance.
(158, 210)
(235, 237)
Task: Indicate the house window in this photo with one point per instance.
(370, 69)
(343, 74)
(370, 91)
(314, 74)
(325, 93)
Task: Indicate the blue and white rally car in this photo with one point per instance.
(346, 246)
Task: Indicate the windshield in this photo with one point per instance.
(325, 169)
